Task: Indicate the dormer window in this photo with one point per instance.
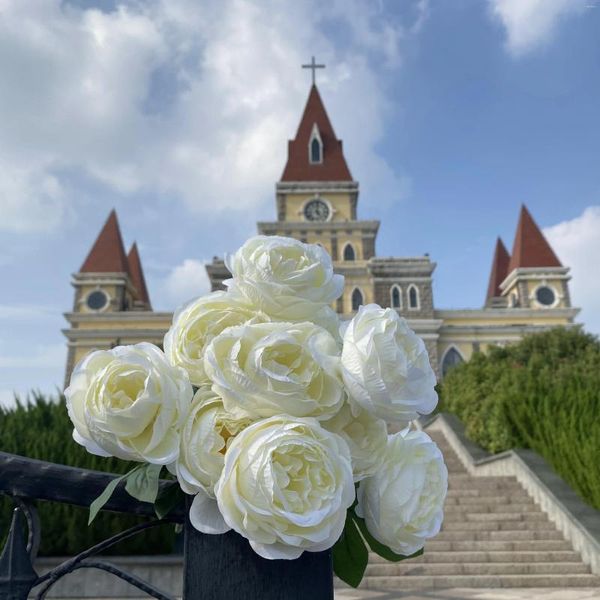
(315, 147)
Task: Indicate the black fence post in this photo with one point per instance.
(221, 567)
(17, 576)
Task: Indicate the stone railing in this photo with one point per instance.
(579, 523)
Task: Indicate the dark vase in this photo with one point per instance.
(224, 567)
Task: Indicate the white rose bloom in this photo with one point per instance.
(266, 369)
(129, 402)
(285, 487)
(198, 322)
(402, 504)
(386, 367)
(366, 436)
(287, 279)
(207, 431)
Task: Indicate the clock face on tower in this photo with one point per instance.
(316, 210)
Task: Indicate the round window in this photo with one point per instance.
(97, 300)
(545, 295)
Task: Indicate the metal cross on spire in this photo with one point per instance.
(313, 66)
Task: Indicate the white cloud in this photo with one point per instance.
(577, 243)
(185, 282)
(25, 311)
(180, 97)
(31, 199)
(530, 24)
(48, 356)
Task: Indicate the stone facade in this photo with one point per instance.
(317, 202)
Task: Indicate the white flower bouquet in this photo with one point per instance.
(273, 415)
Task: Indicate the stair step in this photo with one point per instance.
(501, 516)
(463, 491)
(526, 535)
(479, 581)
(409, 569)
(564, 556)
(437, 545)
(485, 485)
(497, 525)
(485, 478)
(453, 462)
(476, 498)
(487, 508)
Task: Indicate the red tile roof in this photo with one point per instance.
(499, 270)
(530, 248)
(298, 166)
(137, 274)
(107, 254)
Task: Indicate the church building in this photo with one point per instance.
(316, 201)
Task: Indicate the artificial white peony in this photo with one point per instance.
(386, 367)
(129, 402)
(206, 433)
(266, 369)
(366, 436)
(402, 504)
(285, 487)
(287, 279)
(198, 322)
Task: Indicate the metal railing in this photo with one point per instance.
(214, 567)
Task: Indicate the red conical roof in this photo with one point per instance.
(107, 254)
(137, 274)
(499, 270)
(530, 248)
(298, 166)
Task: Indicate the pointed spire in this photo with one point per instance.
(333, 166)
(137, 274)
(499, 270)
(107, 254)
(17, 575)
(530, 248)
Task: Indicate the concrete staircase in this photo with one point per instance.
(494, 535)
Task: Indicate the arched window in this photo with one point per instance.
(315, 146)
(396, 297)
(413, 297)
(315, 151)
(349, 253)
(357, 299)
(451, 359)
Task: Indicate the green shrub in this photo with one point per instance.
(542, 393)
(40, 428)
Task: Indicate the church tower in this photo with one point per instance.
(316, 202)
(317, 199)
(531, 277)
(498, 274)
(108, 283)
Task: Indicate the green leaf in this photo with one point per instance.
(168, 498)
(103, 498)
(142, 483)
(350, 555)
(377, 546)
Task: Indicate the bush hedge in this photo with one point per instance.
(542, 393)
(40, 428)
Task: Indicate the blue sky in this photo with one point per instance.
(177, 113)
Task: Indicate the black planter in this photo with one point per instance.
(224, 567)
